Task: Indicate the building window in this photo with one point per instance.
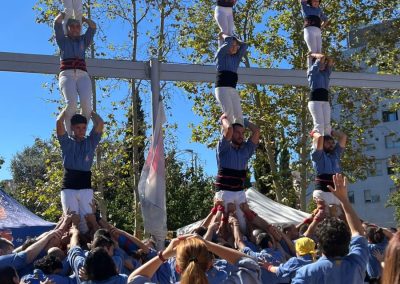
(351, 196)
(376, 170)
(391, 142)
(367, 196)
(391, 162)
(388, 116)
(370, 147)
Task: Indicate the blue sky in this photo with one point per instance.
(25, 113)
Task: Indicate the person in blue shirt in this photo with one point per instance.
(74, 80)
(377, 243)
(318, 75)
(233, 155)
(305, 254)
(78, 152)
(343, 245)
(97, 267)
(325, 156)
(228, 58)
(314, 21)
(193, 261)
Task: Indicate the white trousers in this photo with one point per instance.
(237, 198)
(313, 38)
(327, 197)
(229, 100)
(224, 18)
(74, 83)
(321, 115)
(78, 201)
(72, 8)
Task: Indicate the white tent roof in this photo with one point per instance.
(274, 212)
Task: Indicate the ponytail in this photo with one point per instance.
(194, 274)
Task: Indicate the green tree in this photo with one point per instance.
(274, 32)
(189, 193)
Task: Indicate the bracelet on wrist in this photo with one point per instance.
(160, 256)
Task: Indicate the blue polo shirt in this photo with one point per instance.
(327, 163)
(290, 267)
(230, 157)
(307, 10)
(17, 260)
(318, 79)
(374, 268)
(73, 48)
(349, 269)
(226, 61)
(79, 155)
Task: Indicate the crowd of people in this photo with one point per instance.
(233, 244)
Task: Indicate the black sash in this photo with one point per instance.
(74, 179)
(312, 21)
(322, 182)
(230, 180)
(226, 79)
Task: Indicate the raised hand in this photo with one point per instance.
(340, 190)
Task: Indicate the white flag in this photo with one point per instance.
(152, 184)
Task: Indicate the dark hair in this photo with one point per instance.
(303, 228)
(78, 119)
(333, 237)
(328, 137)
(99, 265)
(48, 264)
(200, 231)
(72, 21)
(375, 235)
(102, 232)
(102, 241)
(7, 275)
(263, 240)
(5, 244)
(287, 228)
(236, 124)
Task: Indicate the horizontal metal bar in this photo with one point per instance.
(111, 68)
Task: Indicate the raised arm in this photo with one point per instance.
(340, 191)
(98, 123)
(226, 128)
(233, 221)
(58, 28)
(341, 137)
(117, 232)
(90, 23)
(318, 141)
(255, 131)
(60, 123)
(34, 250)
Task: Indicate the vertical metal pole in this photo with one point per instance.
(155, 88)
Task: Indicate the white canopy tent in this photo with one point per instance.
(274, 212)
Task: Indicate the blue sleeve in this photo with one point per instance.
(76, 258)
(242, 50)
(224, 48)
(248, 271)
(223, 145)
(328, 71)
(358, 254)
(288, 268)
(316, 155)
(88, 37)
(17, 260)
(250, 147)
(338, 150)
(64, 141)
(94, 138)
(250, 252)
(59, 32)
(140, 280)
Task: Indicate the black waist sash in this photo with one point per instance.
(312, 21)
(73, 63)
(225, 3)
(74, 179)
(226, 79)
(322, 182)
(319, 94)
(230, 180)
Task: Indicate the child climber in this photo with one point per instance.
(314, 21)
(318, 76)
(228, 58)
